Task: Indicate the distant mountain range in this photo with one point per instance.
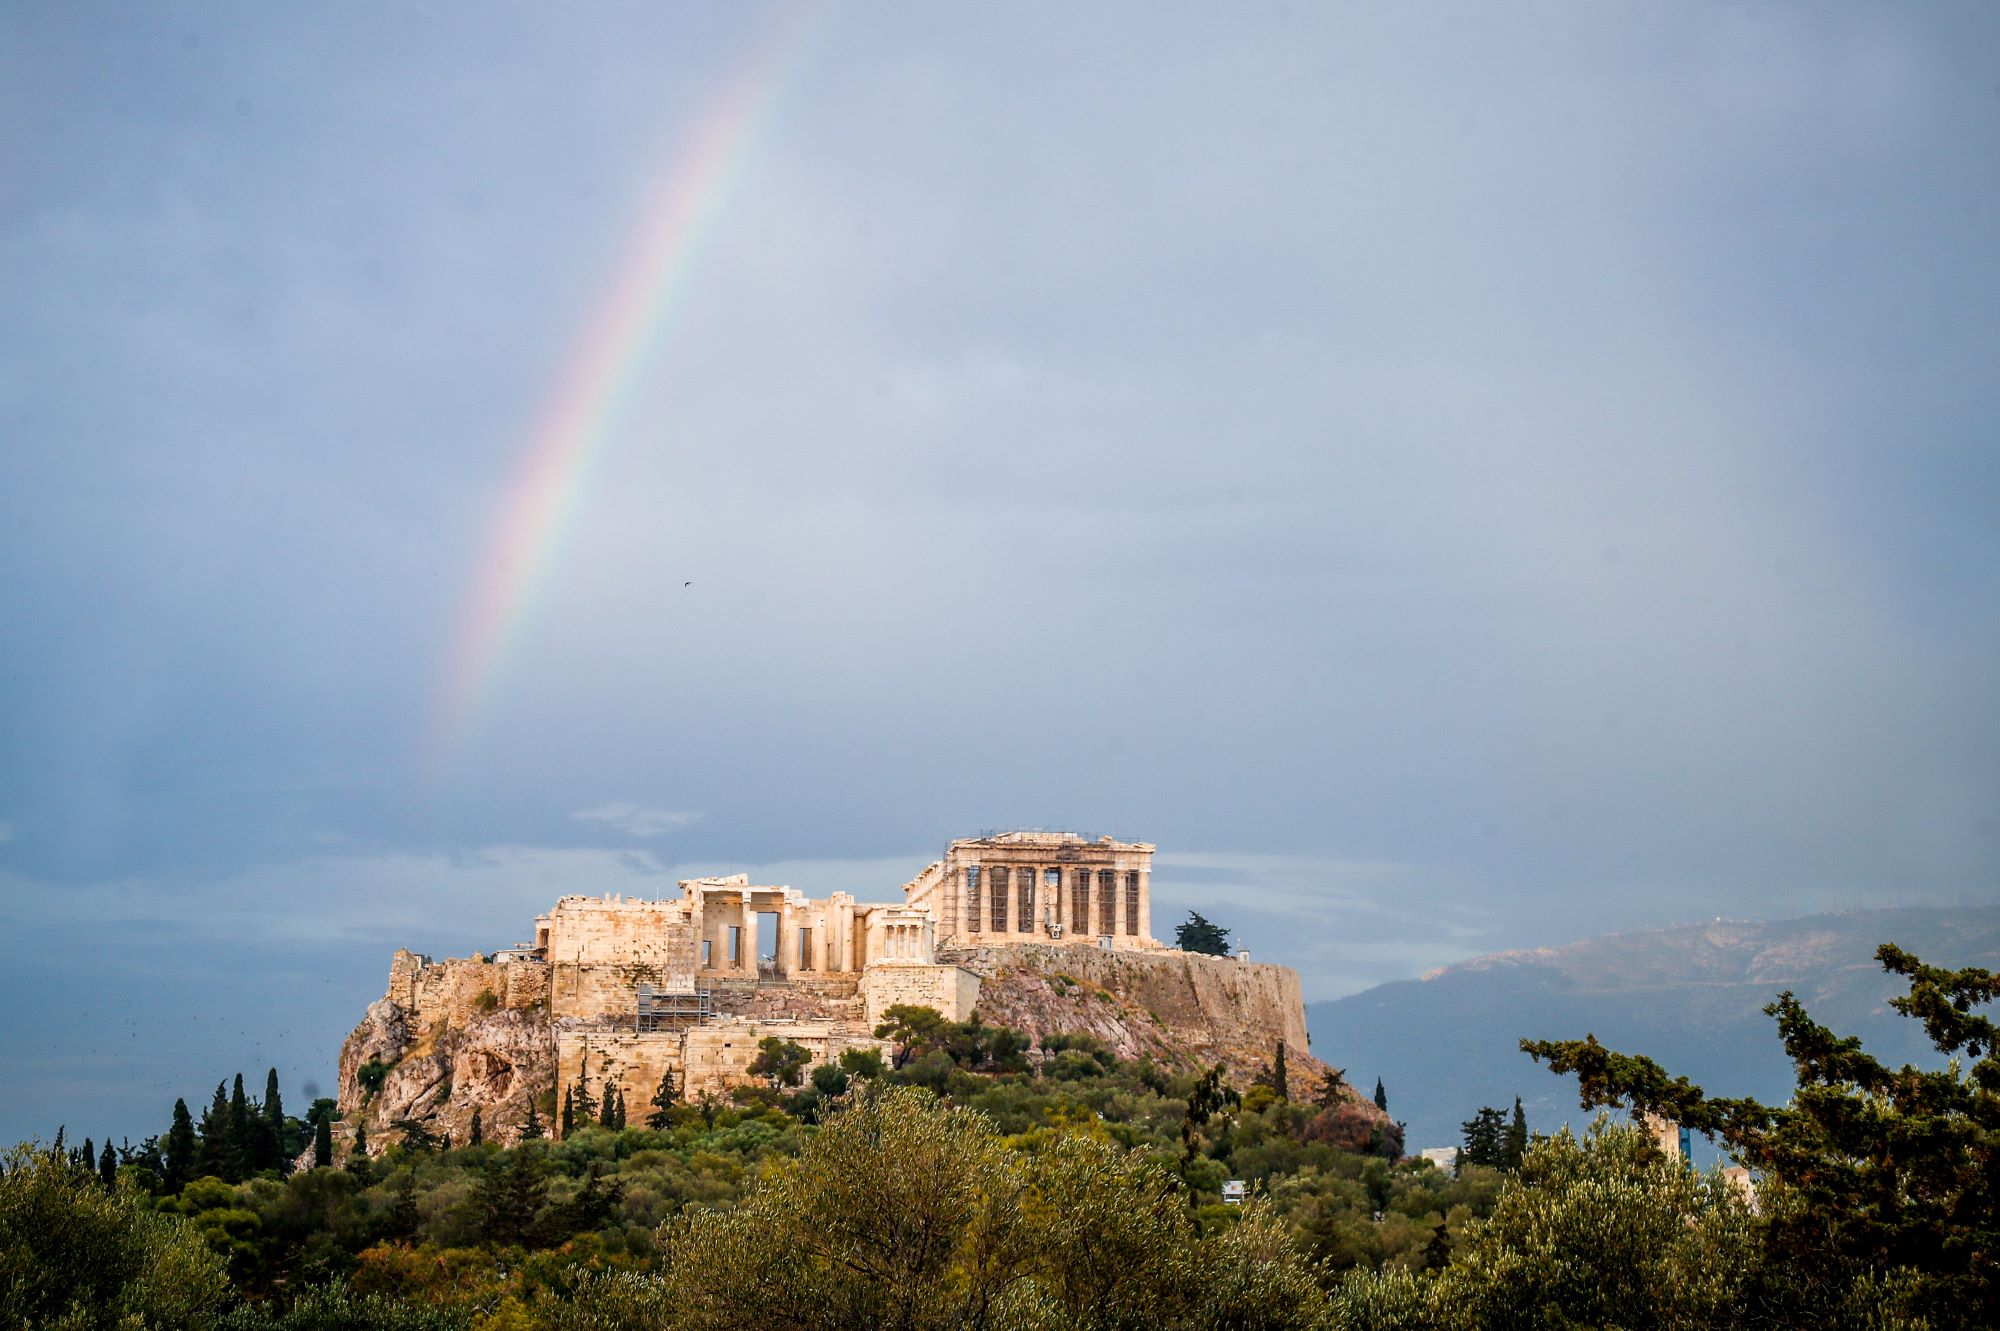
(1690, 997)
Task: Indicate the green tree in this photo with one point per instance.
(417, 1135)
(1482, 1134)
(664, 1099)
(322, 1142)
(568, 1112)
(1329, 1095)
(1381, 1096)
(76, 1255)
(215, 1152)
(1875, 1182)
(1199, 934)
(1514, 1140)
(904, 1213)
(107, 1166)
(532, 1129)
(1601, 1231)
(274, 1110)
(509, 1194)
(1274, 1075)
(783, 1061)
(1209, 1098)
(914, 1030)
(607, 1109)
(476, 1133)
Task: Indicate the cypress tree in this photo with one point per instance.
(1281, 1081)
(477, 1135)
(323, 1142)
(274, 1111)
(1514, 1144)
(618, 1119)
(107, 1165)
(88, 1155)
(663, 1103)
(242, 1134)
(532, 1129)
(1381, 1096)
(361, 1140)
(607, 1112)
(178, 1161)
(568, 1113)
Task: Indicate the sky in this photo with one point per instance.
(1453, 481)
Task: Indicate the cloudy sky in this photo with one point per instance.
(1452, 482)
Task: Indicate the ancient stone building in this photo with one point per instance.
(1039, 887)
(630, 990)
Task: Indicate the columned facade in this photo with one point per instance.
(1039, 887)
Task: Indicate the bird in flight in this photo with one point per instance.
(687, 584)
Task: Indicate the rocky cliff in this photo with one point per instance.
(448, 1038)
(1183, 1009)
(452, 1036)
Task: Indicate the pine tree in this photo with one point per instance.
(107, 1165)
(586, 1103)
(323, 1142)
(663, 1103)
(1199, 934)
(477, 1135)
(178, 1156)
(1482, 1138)
(1381, 1096)
(1514, 1142)
(532, 1129)
(1329, 1094)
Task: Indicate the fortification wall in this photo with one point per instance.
(952, 990)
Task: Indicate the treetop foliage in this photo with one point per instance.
(1872, 1177)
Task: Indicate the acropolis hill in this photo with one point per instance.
(1044, 932)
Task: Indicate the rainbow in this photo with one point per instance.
(597, 384)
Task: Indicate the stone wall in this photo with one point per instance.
(708, 1059)
(453, 1036)
(952, 990)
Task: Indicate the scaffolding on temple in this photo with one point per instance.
(660, 1010)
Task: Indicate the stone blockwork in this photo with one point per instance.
(451, 1036)
(1047, 932)
(952, 990)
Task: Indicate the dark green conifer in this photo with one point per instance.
(477, 1136)
(663, 1102)
(178, 1155)
(1381, 1096)
(1514, 1142)
(107, 1165)
(607, 1112)
(532, 1129)
(568, 1113)
(322, 1141)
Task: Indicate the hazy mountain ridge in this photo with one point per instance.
(1690, 996)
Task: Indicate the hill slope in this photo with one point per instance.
(1691, 997)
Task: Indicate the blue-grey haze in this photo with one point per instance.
(1454, 481)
